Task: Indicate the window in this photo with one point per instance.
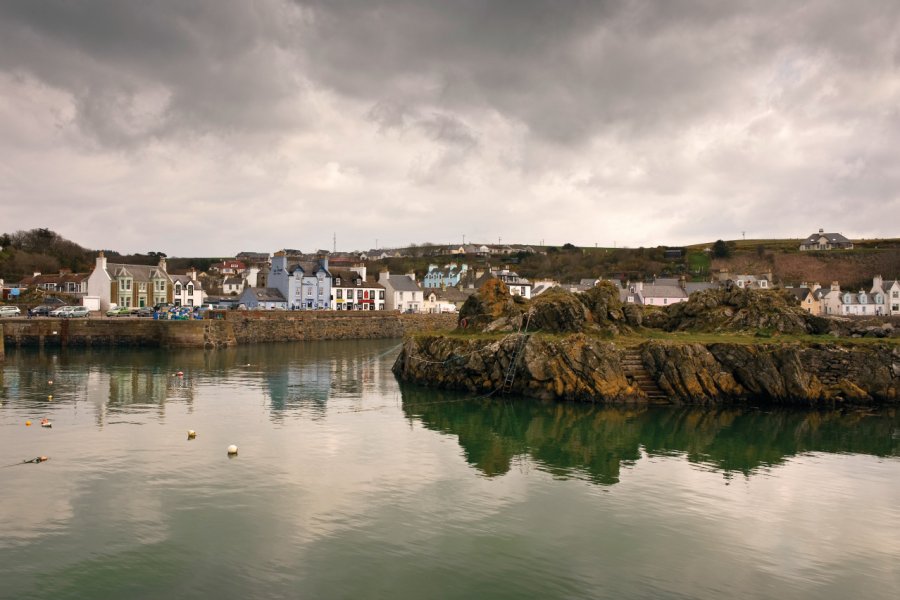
(143, 287)
(190, 290)
(340, 294)
(309, 292)
(337, 281)
(177, 289)
(381, 294)
(359, 294)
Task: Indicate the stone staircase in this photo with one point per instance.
(638, 377)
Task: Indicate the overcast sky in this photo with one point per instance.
(207, 127)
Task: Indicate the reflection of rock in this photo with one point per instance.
(581, 367)
(570, 439)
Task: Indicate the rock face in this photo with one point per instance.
(583, 368)
(579, 369)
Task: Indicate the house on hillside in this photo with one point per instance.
(228, 267)
(826, 241)
(449, 276)
(127, 285)
(65, 282)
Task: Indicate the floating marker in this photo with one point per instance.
(180, 373)
(50, 397)
(46, 423)
(191, 434)
(50, 382)
(27, 423)
(232, 450)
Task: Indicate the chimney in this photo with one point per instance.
(65, 271)
(101, 261)
(360, 268)
(193, 274)
(835, 286)
(36, 274)
(821, 230)
(815, 287)
(383, 276)
(877, 282)
(412, 275)
(162, 264)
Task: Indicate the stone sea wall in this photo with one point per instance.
(233, 329)
(584, 368)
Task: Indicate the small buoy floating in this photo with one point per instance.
(27, 423)
(50, 397)
(191, 434)
(46, 423)
(180, 373)
(50, 382)
(37, 459)
(232, 450)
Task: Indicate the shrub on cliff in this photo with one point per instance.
(739, 309)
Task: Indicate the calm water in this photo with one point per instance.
(348, 485)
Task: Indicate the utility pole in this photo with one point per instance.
(334, 243)
(464, 239)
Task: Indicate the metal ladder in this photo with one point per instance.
(514, 361)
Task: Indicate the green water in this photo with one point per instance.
(349, 485)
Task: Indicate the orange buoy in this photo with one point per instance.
(27, 423)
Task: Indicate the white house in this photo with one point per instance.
(402, 292)
(892, 298)
(187, 290)
(826, 241)
(832, 300)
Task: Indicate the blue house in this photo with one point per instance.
(439, 278)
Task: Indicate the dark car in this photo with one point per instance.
(163, 306)
(42, 310)
(144, 311)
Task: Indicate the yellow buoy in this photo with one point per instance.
(27, 423)
(50, 397)
(232, 450)
(191, 434)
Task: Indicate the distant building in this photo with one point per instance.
(263, 298)
(448, 276)
(353, 290)
(65, 282)
(826, 241)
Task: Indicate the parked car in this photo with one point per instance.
(42, 310)
(144, 311)
(10, 311)
(163, 306)
(61, 311)
(121, 311)
(77, 311)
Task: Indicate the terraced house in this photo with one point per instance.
(127, 285)
(353, 290)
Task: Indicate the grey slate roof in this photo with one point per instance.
(266, 294)
(653, 290)
(834, 238)
(403, 283)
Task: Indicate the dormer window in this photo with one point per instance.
(178, 288)
(846, 298)
(190, 289)
(337, 281)
(862, 299)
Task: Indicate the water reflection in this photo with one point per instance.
(294, 378)
(592, 441)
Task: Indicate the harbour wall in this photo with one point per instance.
(231, 329)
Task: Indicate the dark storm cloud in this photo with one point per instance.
(203, 66)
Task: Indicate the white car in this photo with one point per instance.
(10, 311)
(61, 311)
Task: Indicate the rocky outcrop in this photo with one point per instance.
(738, 309)
(585, 368)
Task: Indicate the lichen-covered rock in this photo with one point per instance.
(557, 311)
(739, 309)
(493, 308)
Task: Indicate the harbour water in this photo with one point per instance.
(349, 485)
